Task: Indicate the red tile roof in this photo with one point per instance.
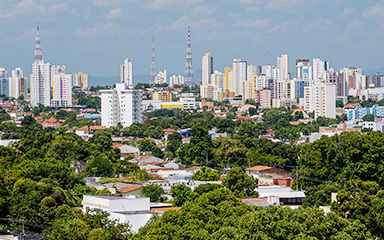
(258, 168)
(130, 189)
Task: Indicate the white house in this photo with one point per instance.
(124, 208)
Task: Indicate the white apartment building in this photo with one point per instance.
(126, 72)
(282, 63)
(61, 90)
(18, 85)
(121, 105)
(176, 80)
(320, 68)
(161, 77)
(206, 69)
(320, 99)
(239, 74)
(206, 91)
(40, 83)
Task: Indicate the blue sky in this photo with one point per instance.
(94, 36)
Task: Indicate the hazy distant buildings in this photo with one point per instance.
(126, 72)
(3, 73)
(163, 96)
(122, 105)
(80, 80)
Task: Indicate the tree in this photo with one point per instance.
(240, 183)
(180, 193)
(153, 191)
(206, 174)
(146, 145)
(174, 142)
(99, 166)
(220, 215)
(369, 118)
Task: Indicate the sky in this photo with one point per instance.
(94, 36)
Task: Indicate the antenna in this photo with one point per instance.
(188, 76)
(153, 66)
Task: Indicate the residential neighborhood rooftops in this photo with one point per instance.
(258, 168)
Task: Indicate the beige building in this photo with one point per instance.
(80, 80)
(163, 96)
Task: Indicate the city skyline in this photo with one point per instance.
(95, 36)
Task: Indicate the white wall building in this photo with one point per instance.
(126, 72)
(40, 83)
(282, 63)
(239, 74)
(161, 77)
(18, 84)
(121, 105)
(176, 80)
(206, 69)
(320, 99)
(126, 209)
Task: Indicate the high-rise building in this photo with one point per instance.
(282, 63)
(18, 84)
(80, 80)
(228, 79)
(161, 77)
(239, 73)
(61, 89)
(122, 105)
(3, 73)
(40, 77)
(263, 97)
(189, 75)
(176, 80)
(320, 99)
(303, 70)
(4, 86)
(126, 72)
(320, 69)
(206, 68)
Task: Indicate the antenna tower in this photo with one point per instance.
(38, 52)
(153, 66)
(188, 76)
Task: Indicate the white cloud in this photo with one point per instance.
(184, 21)
(203, 10)
(346, 12)
(109, 3)
(281, 4)
(107, 29)
(252, 23)
(374, 11)
(164, 4)
(317, 24)
(353, 30)
(115, 13)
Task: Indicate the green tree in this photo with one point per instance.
(99, 166)
(153, 191)
(174, 142)
(240, 183)
(206, 174)
(369, 118)
(180, 194)
(146, 145)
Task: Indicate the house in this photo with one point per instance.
(270, 175)
(126, 150)
(126, 209)
(168, 132)
(281, 195)
(146, 159)
(51, 122)
(87, 131)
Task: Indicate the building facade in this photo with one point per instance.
(126, 72)
(121, 105)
